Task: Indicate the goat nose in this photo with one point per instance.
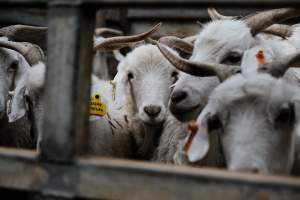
(152, 110)
(178, 96)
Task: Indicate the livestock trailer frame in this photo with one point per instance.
(61, 170)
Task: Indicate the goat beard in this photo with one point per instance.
(149, 141)
(145, 135)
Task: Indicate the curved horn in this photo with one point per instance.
(23, 33)
(262, 20)
(191, 39)
(118, 55)
(119, 42)
(280, 30)
(107, 31)
(215, 15)
(32, 53)
(198, 69)
(177, 43)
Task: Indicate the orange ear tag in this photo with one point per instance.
(260, 57)
(193, 128)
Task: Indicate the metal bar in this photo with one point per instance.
(179, 3)
(24, 3)
(19, 16)
(196, 13)
(153, 3)
(67, 83)
(119, 179)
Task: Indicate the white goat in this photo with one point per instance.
(252, 118)
(136, 105)
(16, 125)
(143, 85)
(255, 119)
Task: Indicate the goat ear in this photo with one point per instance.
(16, 105)
(201, 143)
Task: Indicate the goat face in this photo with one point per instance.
(148, 77)
(190, 95)
(12, 76)
(255, 119)
(222, 41)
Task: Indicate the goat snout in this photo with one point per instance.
(178, 96)
(152, 110)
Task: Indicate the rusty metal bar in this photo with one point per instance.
(67, 83)
(119, 179)
(153, 3)
(179, 3)
(23, 16)
(24, 3)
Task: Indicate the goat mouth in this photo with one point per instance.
(180, 110)
(153, 121)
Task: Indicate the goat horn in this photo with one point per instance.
(262, 20)
(215, 15)
(177, 43)
(32, 53)
(190, 39)
(198, 69)
(119, 42)
(109, 31)
(280, 30)
(118, 55)
(23, 33)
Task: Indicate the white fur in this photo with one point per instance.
(14, 124)
(247, 108)
(215, 42)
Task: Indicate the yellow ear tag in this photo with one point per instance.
(97, 107)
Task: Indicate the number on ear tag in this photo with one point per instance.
(97, 107)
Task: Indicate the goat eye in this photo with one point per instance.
(13, 66)
(285, 114)
(232, 58)
(130, 76)
(214, 123)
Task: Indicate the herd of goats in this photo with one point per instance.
(227, 97)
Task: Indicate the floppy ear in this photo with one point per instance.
(16, 105)
(201, 143)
